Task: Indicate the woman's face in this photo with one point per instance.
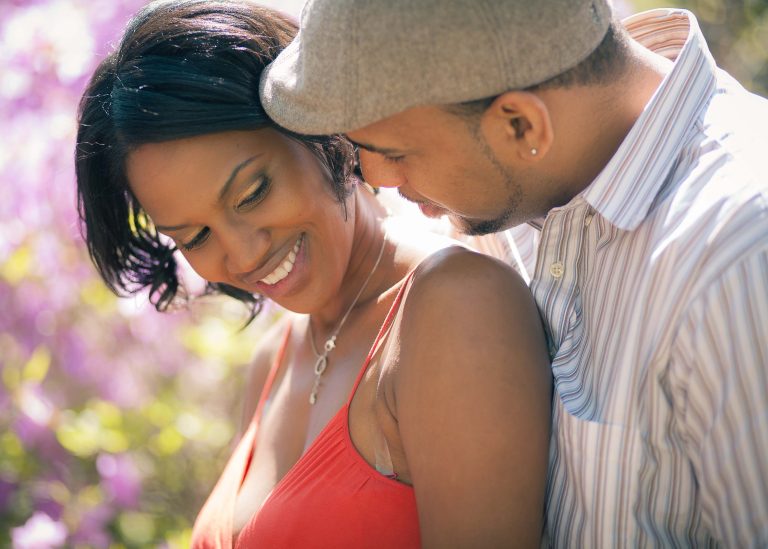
(252, 209)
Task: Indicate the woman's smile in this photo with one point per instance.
(285, 267)
(284, 277)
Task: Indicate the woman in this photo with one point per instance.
(405, 399)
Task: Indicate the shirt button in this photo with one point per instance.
(588, 220)
(556, 269)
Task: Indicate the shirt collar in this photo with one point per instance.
(625, 189)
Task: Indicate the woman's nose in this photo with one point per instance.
(245, 249)
(380, 172)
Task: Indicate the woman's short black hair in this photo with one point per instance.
(183, 68)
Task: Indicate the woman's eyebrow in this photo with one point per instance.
(233, 175)
(222, 192)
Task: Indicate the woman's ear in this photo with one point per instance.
(518, 124)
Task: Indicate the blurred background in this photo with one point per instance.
(115, 420)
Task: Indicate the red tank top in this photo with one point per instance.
(330, 498)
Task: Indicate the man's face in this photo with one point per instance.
(443, 163)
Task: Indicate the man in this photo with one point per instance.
(629, 175)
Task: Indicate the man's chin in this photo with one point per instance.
(479, 227)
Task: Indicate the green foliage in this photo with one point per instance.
(737, 34)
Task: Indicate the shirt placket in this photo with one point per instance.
(555, 285)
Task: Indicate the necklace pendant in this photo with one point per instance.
(315, 390)
(321, 365)
(330, 345)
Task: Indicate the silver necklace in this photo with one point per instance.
(330, 343)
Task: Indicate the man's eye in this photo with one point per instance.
(197, 241)
(255, 196)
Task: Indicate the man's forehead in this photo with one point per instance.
(392, 134)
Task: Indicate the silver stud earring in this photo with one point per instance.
(534, 151)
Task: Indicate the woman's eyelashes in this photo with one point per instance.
(197, 241)
(255, 193)
(253, 196)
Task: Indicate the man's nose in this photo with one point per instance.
(380, 172)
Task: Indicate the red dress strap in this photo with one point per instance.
(331, 484)
(213, 527)
(272, 374)
(332, 497)
(264, 396)
(383, 331)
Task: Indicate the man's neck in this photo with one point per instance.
(593, 121)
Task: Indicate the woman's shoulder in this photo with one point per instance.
(266, 353)
(470, 389)
(463, 276)
(464, 307)
(271, 341)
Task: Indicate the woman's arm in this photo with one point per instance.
(473, 403)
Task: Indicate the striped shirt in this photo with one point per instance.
(653, 285)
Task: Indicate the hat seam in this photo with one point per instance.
(489, 16)
(352, 64)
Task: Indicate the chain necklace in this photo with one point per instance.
(330, 343)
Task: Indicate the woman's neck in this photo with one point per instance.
(369, 265)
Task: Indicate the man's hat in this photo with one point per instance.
(355, 62)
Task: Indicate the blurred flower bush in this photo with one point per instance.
(115, 420)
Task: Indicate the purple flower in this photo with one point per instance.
(92, 529)
(31, 433)
(7, 490)
(39, 532)
(120, 478)
(37, 438)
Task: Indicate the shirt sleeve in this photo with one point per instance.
(723, 347)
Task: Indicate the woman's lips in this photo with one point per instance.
(282, 283)
(285, 267)
(278, 273)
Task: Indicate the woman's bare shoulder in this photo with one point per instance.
(465, 309)
(261, 363)
(461, 276)
(472, 400)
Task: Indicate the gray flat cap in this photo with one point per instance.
(354, 62)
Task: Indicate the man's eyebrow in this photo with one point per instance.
(374, 148)
(222, 192)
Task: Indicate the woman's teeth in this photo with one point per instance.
(285, 267)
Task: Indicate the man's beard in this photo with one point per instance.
(478, 227)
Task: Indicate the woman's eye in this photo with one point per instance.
(395, 159)
(256, 194)
(197, 241)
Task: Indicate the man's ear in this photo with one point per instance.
(518, 123)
